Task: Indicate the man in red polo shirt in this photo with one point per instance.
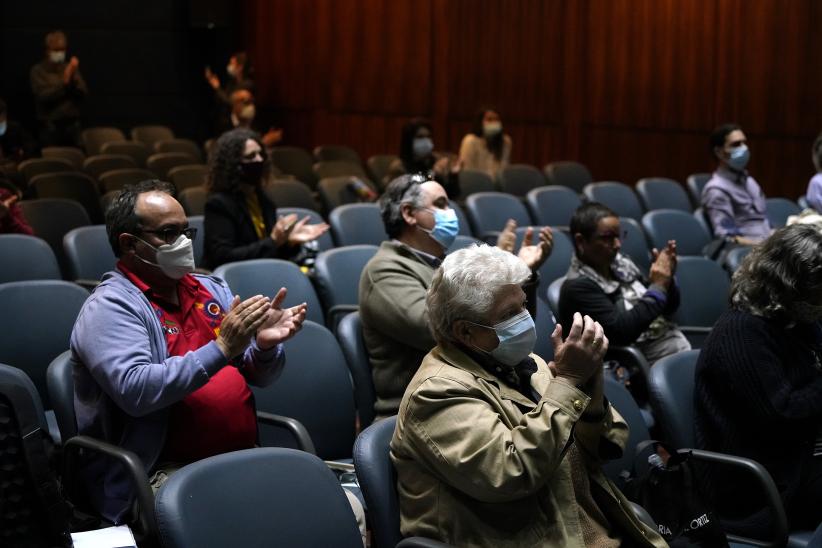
(165, 356)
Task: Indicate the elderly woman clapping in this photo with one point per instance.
(494, 447)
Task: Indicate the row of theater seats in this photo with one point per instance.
(315, 389)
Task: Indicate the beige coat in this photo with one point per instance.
(479, 464)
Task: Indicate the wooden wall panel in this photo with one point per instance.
(650, 63)
(630, 87)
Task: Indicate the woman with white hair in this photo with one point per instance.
(495, 447)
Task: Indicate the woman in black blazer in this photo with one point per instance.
(240, 221)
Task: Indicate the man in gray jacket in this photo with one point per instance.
(163, 356)
(422, 225)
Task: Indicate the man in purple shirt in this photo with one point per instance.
(732, 199)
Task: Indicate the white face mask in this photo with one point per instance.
(231, 69)
(248, 112)
(57, 56)
(489, 129)
(175, 260)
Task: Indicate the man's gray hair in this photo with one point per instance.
(465, 286)
(405, 189)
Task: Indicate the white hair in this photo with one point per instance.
(465, 286)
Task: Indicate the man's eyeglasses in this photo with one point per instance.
(169, 235)
(609, 236)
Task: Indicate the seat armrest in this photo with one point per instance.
(643, 515)
(132, 464)
(294, 426)
(630, 355)
(421, 542)
(767, 485)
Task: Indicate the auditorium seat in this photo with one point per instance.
(519, 179)
(552, 205)
(619, 197)
(116, 179)
(295, 161)
(40, 166)
(663, 193)
(75, 186)
(100, 163)
(185, 146)
(187, 176)
(473, 181)
(93, 138)
(337, 153)
(26, 257)
(573, 175)
(354, 224)
(162, 162)
(149, 135)
(290, 193)
(490, 211)
(75, 155)
(135, 149)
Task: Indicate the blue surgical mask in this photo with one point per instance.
(446, 227)
(517, 337)
(3, 127)
(423, 146)
(739, 157)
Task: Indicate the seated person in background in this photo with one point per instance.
(732, 199)
(164, 355)
(12, 220)
(758, 389)
(494, 447)
(486, 148)
(814, 193)
(15, 146)
(422, 225)
(242, 114)
(608, 286)
(59, 90)
(417, 157)
(240, 221)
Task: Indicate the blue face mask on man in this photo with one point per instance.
(517, 337)
(739, 157)
(446, 227)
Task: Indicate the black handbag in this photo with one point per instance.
(664, 484)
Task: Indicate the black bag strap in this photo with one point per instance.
(33, 444)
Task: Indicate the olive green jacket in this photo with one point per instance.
(395, 324)
(479, 464)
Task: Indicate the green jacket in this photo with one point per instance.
(395, 324)
(479, 464)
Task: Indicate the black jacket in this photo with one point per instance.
(229, 232)
(758, 394)
(583, 295)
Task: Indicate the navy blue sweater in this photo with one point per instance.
(758, 394)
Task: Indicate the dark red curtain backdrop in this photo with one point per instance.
(629, 87)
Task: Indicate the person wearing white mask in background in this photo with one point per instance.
(422, 226)
(417, 157)
(486, 148)
(495, 447)
(59, 90)
(164, 356)
(732, 199)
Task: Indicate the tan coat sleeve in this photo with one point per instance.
(463, 438)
